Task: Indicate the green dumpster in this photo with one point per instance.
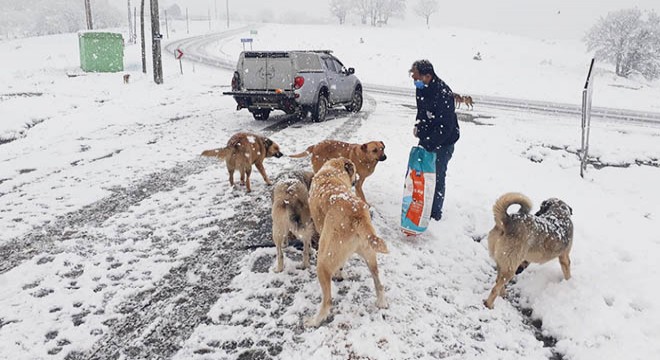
(101, 51)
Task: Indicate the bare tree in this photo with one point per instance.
(366, 9)
(630, 39)
(390, 8)
(339, 9)
(379, 11)
(426, 8)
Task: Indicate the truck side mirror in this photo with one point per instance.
(351, 70)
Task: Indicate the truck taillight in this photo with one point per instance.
(235, 82)
(298, 82)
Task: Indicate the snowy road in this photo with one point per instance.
(119, 241)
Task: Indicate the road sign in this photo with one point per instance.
(246, 40)
(178, 54)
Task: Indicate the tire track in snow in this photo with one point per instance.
(159, 320)
(45, 239)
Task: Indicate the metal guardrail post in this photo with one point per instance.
(587, 92)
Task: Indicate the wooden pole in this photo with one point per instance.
(156, 37)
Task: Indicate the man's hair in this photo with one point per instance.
(424, 67)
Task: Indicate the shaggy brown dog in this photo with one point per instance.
(520, 238)
(291, 215)
(365, 157)
(244, 150)
(467, 99)
(344, 223)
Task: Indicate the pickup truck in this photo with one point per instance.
(296, 82)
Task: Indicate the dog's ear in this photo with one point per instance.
(570, 209)
(383, 145)
(545, 206)
(349, 167)
(268, 142)
(363, 147)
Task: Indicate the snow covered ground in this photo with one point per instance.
(117, 237)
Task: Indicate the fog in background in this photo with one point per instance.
(550, 19)
(546, 19)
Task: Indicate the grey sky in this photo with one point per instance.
(537, 18)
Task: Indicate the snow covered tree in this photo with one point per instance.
(426, 8)
(379, 11)
(42, 17)
(390, 8)
(339, 9)
(630, 39)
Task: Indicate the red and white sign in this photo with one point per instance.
(178, 53)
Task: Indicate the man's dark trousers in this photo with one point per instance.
(442, 159)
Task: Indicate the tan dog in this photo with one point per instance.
(344, 223)
(244, 150)
(291, 215)
(520, 238)
(365, 157)
(467, 99)
(458, 99)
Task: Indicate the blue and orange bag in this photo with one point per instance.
(418, 191)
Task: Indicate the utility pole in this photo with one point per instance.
(131, 36)
(156, 37)
(144, 50)
(135, 25)
(216, 10)
(209, 16)
(227, 3)
(187, 22)
(88, 15)
(167, 28)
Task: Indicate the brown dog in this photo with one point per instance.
(126, 77)
(291, 215)
(344, 223)
(521, 238)
(365, 157)
(467, 99)
(458, 99)
(244, 150)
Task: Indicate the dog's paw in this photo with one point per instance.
(312, 322)
(488, 304)
(278, 269)
(382, 303)
(302, 267)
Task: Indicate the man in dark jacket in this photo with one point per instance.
(436, 126)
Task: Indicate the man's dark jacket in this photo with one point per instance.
(437, 124)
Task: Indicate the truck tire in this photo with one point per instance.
(356, 101)
(320, 109)
(301, 113)
(261, 114)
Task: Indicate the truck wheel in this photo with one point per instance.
(356, 101)
(262, 114)
(301, 113)
(320, 110)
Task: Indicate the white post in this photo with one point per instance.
(587, 92)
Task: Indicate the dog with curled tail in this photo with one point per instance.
(521, 238)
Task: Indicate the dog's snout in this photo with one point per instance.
(383, 158)
(278, 155)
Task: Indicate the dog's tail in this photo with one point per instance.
(221, 153)
(304, 153)
(503, 203)
(297, 209)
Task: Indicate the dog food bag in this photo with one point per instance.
(418, 191)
